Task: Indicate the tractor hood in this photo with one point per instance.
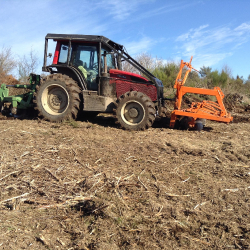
(115, 73)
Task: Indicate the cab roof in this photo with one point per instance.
(87, 38)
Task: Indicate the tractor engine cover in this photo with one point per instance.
(127, 81)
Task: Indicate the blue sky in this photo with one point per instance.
(215, 32)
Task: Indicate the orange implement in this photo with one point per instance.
(204, 110)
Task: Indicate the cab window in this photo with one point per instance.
(63, 53)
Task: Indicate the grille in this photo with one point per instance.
(126, 86)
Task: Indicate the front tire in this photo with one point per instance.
(134, 111)
(57, 98)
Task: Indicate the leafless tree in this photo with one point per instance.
(227, 70)
(146, 60)
(7, 62)
(27, 65)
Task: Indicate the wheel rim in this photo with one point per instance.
(133, 113)
(55, 99)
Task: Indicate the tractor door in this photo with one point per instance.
(85, 59)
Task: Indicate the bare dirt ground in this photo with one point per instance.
(90, 185)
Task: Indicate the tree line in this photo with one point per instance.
(165, 71)
(206, 78)
(20, 66)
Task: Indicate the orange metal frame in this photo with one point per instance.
(206, 109)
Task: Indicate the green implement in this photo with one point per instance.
(12, 105)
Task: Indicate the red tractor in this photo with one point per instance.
(86, 75)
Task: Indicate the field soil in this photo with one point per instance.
(89, 185)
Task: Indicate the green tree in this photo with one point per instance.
(238, 83)
(160, 74)
(194, 79)
(167, 74)
(205, 71)
(171, 70)
(223, 79)
(214, 78)
(247, 86)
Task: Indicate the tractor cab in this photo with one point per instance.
(86, 60)
(81, 57)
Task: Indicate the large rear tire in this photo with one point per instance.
(57, 98)
(134, 111)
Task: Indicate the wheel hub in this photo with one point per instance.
(56, 100)
(133, 112)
